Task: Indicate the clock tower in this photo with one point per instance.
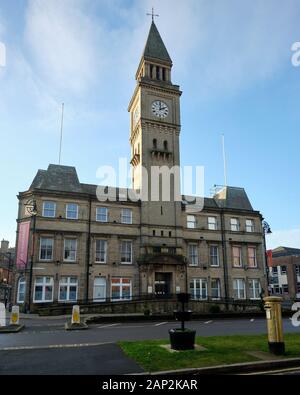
(154, 139)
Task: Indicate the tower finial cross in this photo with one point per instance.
(153, 15)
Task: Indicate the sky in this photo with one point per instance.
(231, 58)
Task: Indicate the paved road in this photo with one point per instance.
(44, 333)
(45, 347)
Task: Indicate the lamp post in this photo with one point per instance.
(32, 211)
(266, 230)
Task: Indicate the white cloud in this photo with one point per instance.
(62, 40)
(285, 238)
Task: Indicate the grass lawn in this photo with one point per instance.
(220, 350)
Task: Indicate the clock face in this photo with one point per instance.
(160, 109)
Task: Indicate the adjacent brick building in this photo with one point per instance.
(284, 272)
(80, 248)
(7, 256)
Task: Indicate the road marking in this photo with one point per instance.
(108, 326)
(161, 323)
(208, 322)
(54, 346)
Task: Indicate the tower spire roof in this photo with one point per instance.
(155, 47)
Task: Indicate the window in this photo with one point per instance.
(70, 250)
(239, 289)
(164, 74)
(68, 289)
(101, 251)
(99, 294)
(198, 288)
(157, 72)
(154, 143)
(46, 249)
(276, 289)
(297, 268)
(214, 255)
(237, 256)
(153, 232)
(212, 223)
(275, 271)
(285, 288)
(156, 250)
(193, 254)
(120, 288)
(252, 257)
(49, 209)
(43, 289)
(172, 250)
(126, 216)
(249, 225)
(191, 221)
(215, 288)
(254, 289)
(72, 211)
(234, 224)
(101, 214)
(283, 269)
(151, 71)
(298, 287)
(162, 233)
(165, 145)
(126, 251)
(21, 290)
(170, 233)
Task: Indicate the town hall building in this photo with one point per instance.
(71, 247)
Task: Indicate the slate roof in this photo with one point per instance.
(285, 251)
(65, 179)
(155, 47)
(57, 178)
(233, 198)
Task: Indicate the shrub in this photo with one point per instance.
(214, 309)
(146, 312)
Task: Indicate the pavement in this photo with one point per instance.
(106, 359)
(44, 346)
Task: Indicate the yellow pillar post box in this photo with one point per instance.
(274, 324)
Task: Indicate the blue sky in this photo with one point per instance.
(232, 60)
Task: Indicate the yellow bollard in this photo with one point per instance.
(75, 315)
(274, 324)
(15, 315)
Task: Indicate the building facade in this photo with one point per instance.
(81, 247)
(284, 273)
(7, 256)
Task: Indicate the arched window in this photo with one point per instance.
(21, 290)
(154, 143)
(151, 70)
(157, 73)
(165, 145)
